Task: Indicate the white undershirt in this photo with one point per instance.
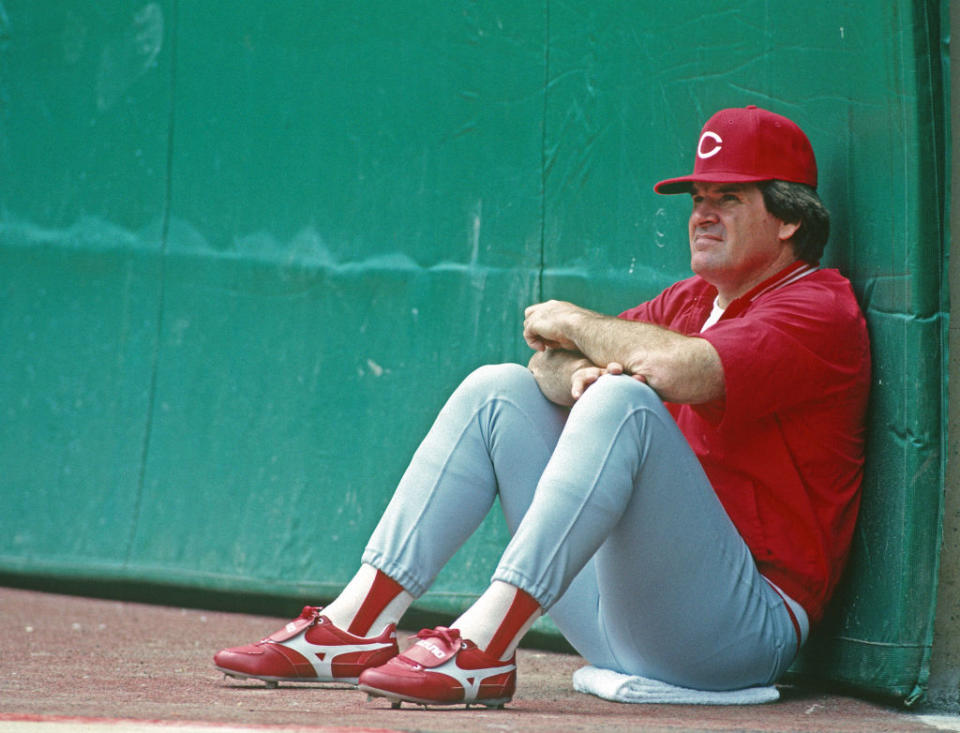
(714, 314)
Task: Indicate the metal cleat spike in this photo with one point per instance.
(271, 684)
(396, 704)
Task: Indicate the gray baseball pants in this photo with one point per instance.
(616, 531)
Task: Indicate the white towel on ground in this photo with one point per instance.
(619, 687)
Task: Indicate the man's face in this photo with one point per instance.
(735, 243)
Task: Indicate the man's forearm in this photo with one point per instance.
(680, 368)
(553, 369)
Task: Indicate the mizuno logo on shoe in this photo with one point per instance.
(317, 654)
(432, 648)
(472, 679)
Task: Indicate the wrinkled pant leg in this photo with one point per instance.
(494, 435)
(628, 547)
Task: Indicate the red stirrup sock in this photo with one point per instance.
(515, 623)
(383, 590)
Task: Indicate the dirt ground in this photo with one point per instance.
(83, 660)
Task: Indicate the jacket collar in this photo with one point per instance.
(789, 274)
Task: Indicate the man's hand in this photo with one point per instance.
(554, 369)
(583, 378)
(551, 325)
(563, 376)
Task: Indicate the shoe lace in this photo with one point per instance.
(450, 636)
(311, 612)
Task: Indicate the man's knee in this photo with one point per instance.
(622, 391)
(500, 379)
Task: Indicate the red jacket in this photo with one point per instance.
(784, 449)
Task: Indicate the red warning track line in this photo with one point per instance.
(79, 720)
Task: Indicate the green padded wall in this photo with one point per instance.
(246, 250)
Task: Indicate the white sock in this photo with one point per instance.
(491, 611)
(344, 608)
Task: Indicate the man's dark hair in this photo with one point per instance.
(798, 203)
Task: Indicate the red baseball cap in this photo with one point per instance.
(745, 145)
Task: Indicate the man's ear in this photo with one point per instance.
(788, 229)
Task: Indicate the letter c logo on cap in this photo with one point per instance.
(704, 154)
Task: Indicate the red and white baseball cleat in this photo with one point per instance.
(308, 649)
(443, 669)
